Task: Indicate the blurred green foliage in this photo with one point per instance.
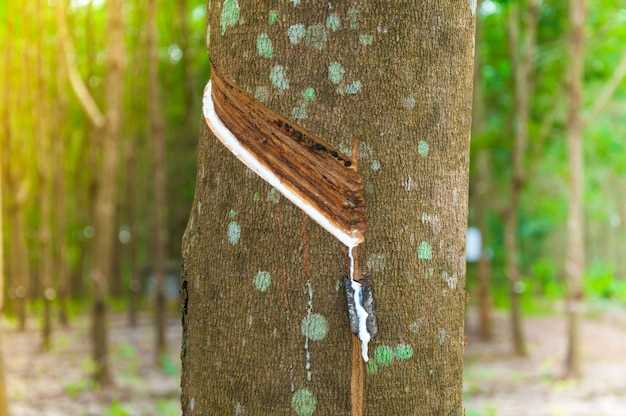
(543, 212)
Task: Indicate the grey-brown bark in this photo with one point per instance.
(575, 257)
(157, 133)
(522, 63)
(262, 336)
(106, 196)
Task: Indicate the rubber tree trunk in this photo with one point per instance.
(132, 194)
(575, 258)
(522, 53)
(18, 264)
(106, 197)
(481, 192)
(157, 133)
(485, 321)
(46, 165)
(6, 134)
(261, 334)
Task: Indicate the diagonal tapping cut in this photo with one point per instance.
(301, 166)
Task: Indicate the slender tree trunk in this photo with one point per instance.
(522, 62)
(278, 338)
(46, 166)
(60, 209)
(157, 133)
(134, 285)
(485, 328)
(575, 260)
(106, 195)
(482, 197)
(4, 142)
(19, 264)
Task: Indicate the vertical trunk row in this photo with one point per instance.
(575, 257)
(157, 133)
(522, 63)
(106, 196)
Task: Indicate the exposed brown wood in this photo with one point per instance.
(310, 167)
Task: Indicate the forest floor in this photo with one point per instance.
(496, 383)
(57, 383)
(499, 384)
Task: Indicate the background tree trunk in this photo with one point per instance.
(522, 63)
(262, 336)
(157, 133)
(6, 134)
(482, 197)
(46, 169)
(106, 197)
(575, 260)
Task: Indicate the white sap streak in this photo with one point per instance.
(230, 141)
(364, 335)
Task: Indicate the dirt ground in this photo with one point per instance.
(496, 383)
(58, 384)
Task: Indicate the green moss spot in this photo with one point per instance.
(366, 40)
(262, 94)
(404, 352)
(273, 196)
(299, 112)
(304, 402)
(264, 46)
(383, 354)
(335, 72)
(232, 214)
(409, 102)
(423, 148)
(273, 17)
(234, 233)
(372, 367)
(315, 37)
(353, 88)
(353, 17)
(262, 281)
(230, 14)
(424, 251)
(278, 78)
(375, 165)
(257, 196)
(309, 94)
(314, 327)
(296, 3)
(295, 33)
(333, 22)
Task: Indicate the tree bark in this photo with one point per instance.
(522, 63)
(106, 196)
(263, 336)
(157, 133)
(575, 257)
